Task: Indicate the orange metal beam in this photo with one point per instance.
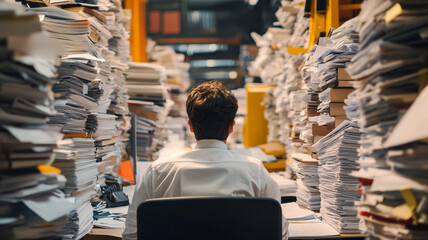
(138, 38)
(231, 41)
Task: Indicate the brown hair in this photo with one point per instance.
(211, 108)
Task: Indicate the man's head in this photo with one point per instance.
(211, 109)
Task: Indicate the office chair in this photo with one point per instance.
(209, 218)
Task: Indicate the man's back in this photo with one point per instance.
(209, 170)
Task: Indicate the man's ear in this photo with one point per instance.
(190, 125)
(231, 127)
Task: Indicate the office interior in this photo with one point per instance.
(331, 97)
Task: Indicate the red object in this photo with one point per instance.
(365, 181)
(154, 22)
(125, 170)
(171, 22)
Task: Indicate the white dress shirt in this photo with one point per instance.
(208, 170)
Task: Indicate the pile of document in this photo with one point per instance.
(328, 84)
(147, 82)
(90, 99)
(308, 194)
(286, 186)
(337, 154)
(390, 68)
(30, 202)
(177, 70)
(150, 103)
(294, 30)
(300, 35)
(76, 158)
(178, 79)
(150, 139)
(295, 26)
(83, 95)
(303, 223)
(286, 103)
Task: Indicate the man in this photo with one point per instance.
(210, 169)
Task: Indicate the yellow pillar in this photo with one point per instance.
(255, 128)
(317, 24)
(332, 15)
(138, 38)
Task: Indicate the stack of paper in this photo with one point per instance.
(177, 73)
(293, 32)
(331, 64)
(303, 223)
(285, 184)
(337, 153)
(151, 138)
(287, 103)
(113, 44)
(151, 104)
(337, 51)
(102, 126)
(146, 82)
(394, 202)
(32, 205)
(76, 159)
(145, 74)
(308, 194)
(300, 36)
(389, 67)
(30, 202)
(91, 99)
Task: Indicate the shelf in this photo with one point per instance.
(184, 40)
(355, 6)
(297, 50)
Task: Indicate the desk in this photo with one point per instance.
(104, 234)
(116, 234)
(341, 236)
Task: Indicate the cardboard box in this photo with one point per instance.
(343, 75)
(338, 120)
(320, 130)
(336, 109)
(340, 94)
(345, 83)
(317, 138)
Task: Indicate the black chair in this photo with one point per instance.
(209, 218)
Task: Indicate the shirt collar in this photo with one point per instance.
(210, 143)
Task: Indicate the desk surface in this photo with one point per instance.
(104, 234)
(341, 236)
(116, 234)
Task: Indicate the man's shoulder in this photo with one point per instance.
(200, 155)
(170, 158)
(245, 158)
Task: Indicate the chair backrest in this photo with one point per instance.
(209, 218)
